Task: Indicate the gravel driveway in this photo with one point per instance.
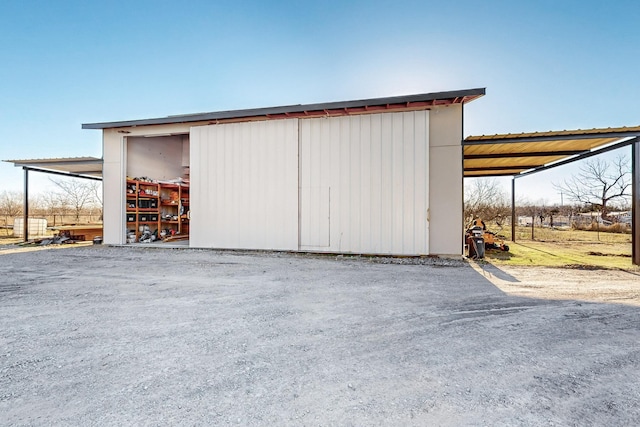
(130, 336)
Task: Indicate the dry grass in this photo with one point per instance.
(9, 240)
(546, 234)
(566, 248)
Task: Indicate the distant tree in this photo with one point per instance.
(53, 204)
(599, 183)
(485, 198)
(77, 193)
(11, 204)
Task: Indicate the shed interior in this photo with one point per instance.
(157, 205)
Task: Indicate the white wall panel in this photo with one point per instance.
(372, 173)
(158, 157)
(244, 185)
(445, 194)
(114, 154)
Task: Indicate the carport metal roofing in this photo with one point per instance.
(524, 153)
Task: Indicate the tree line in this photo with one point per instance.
(600, 186)
(72, 201)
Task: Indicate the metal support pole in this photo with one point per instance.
(635, 202)
(513, 209)
(25, 224)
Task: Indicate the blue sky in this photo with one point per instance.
(547, 65)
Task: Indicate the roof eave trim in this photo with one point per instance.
(461, 96)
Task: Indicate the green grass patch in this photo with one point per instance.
(565, 248)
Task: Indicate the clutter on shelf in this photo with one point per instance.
(156, 209)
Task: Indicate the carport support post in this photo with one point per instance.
(25, 224)
(635, 202)
(513, 209)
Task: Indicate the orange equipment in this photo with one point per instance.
(491, 239)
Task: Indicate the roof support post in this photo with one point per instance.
(635, 202)
(25, 209)
(513, 209)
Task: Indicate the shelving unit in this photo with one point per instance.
(156, 208)
(174, 210)
(142, 207)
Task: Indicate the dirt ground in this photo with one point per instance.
(98, 335)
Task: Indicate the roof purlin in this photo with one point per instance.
(527, 154)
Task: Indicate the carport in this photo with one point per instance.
(523, 154)
(72, 167)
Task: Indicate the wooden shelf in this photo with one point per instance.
(164, 199)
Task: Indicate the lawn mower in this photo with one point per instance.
(490, 239)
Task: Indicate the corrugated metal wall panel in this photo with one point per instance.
(373, 171)
(244, 185)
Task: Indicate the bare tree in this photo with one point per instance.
(11, 203)
(96, 187)
(53, 204)
(599, 183)
(485, 198)
(78, 194)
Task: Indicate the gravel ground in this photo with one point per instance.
(130, 336)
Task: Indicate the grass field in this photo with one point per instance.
(9, 240)
(566, 248)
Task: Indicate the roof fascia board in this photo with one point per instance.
(463, 95)
(28, 163)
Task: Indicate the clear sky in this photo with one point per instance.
(547, 65)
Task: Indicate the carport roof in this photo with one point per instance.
(83, 167)
(525, 153)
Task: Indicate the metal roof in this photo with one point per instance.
(83, 167)
(408, 102)
(524, 153)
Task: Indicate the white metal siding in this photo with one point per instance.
(244, 185)
(365, 183)
(113, 188)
